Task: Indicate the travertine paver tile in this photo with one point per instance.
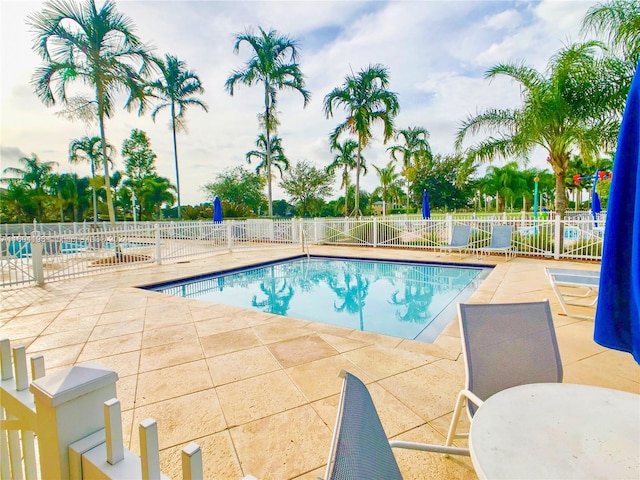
(429, 391)
(228, 342)
(116, 329)
(80, 312)
(26, 326)
(258, 397)
(122, 316)
(181, 419)
(342, 344)
(64, 356)
(375, 338)
(242, 364)
(172, 382)
(380, 362)
(320, 378)
(277, 332)
(588, 372)
(124, 301)
(124, 364)
(575, 342)
(283, 446)
(395, 416)
(209, 312)
(48, 306)
(62, 339)
(442, 424)
(170, 354)
(220, 324)
(172, 334)
(219, 458)
(166, 315)
(300, 350)
(111, 346)
(126, 390)
(65, 324)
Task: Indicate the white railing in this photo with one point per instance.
(43, 254)
(82, 421)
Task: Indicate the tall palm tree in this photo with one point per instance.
(346, 159)
(556, 115)
(619, 21)
(157, 191)
(367, 101)
(80, 44)
(274, 64)
(176, 88)
(390, 187)
(278, 158)
(414, 146)
(89, 149)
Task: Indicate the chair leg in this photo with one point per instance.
(460, 403)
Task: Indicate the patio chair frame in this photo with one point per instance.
(586, 281)
(495, 245)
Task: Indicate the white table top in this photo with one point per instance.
(557, 430)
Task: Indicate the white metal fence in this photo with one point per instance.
(35, 254)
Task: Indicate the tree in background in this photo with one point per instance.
(446, 178)
(619, 21)
(390, 187)
(80, 44)
(307, 186)
(240, 191)
(139, 159)
(89, 150)
(278, 157)
(347, 160)
(367, 101)
(176, 88)
(156, 192)
(274, 64)
(561, 111)
(414, 147)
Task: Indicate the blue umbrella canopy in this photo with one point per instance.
(426, 211)
(617, 322)
(595, 206)
(217, 210)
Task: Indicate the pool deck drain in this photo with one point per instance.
(259, 392)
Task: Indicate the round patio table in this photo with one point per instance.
(557, 431)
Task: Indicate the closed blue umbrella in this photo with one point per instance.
(426, 211)
(217, 210)
(617, 322)
(595, 206)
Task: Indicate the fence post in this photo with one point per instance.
(375, 232)
(229, 237)
(156, 228)
(69, 406)
(449, 225)
(557, 238)
(36, 260)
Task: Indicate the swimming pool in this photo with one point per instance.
(406, 300)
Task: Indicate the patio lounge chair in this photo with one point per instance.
(574, 283)
(504, 345)
(500, 242)
(459, 240)
(359, 448)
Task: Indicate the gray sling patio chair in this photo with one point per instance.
(500, 242)
(504, 345)
(459, 240)
(359, 448)
(575, 287)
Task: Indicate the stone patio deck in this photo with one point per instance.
(259, 392)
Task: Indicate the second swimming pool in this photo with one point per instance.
(406, 300)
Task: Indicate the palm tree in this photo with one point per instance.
(274, 64)
(556, 115)
(346, 159)
(415, 146)
(157, 191)
(176, 88)
(83, 45)
(34, 175)
(366, 99)
(619, 21)
(278, 158)
(390, 184)
(89, 149)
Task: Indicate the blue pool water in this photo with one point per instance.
(407, 300)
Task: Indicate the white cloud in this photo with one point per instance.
(436, 52)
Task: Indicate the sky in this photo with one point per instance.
(436, 53)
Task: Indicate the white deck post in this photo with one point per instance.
(158, 244)
(70, 406)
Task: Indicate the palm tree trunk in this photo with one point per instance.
(175, 156)
(356, 208)
(267, 121)
(94, 193)
(107, 182)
